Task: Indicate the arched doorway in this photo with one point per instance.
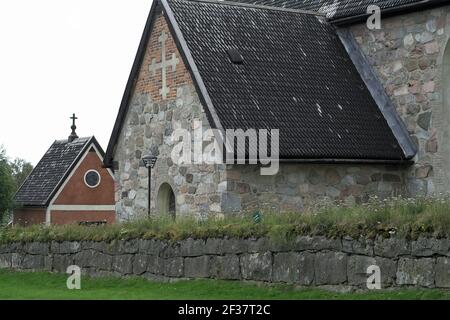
(166, 200)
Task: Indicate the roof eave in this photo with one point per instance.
(388, 12)
(378, 93)
(403, 162)
(32, 206)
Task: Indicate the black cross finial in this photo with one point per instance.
(73, 135)
(73, 118)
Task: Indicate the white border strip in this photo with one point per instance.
(81, 207)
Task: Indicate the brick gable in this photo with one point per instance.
(148, 83)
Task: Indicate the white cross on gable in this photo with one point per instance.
(172, 62)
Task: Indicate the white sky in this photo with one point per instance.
(58, 57)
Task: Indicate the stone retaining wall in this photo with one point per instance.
(306, 261)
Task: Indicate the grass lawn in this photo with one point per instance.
(25, 285)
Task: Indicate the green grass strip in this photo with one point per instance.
(43, 286)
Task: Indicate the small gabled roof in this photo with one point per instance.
(348, 9)
(51, 171)
(296, 76)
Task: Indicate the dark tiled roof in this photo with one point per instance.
(296, 77)
(336, 9)
(50, 171)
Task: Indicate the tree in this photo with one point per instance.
(7, 184)
(20, 170)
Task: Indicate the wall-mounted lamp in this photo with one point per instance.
(149, 161)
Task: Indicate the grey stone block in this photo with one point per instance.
(442, 272)
(192, 247)
(128, 246)
(442, 247)
(69, 247)
(159, 246)
(16, 260)
(17, 247)
(152, 246)
(5, 248)
(225, 267)
(358, 246)
(5, 260)
(54, 247)
(317, 243)
(423, 247)
(33, 262)
(419, 272)
(330, 268)
(357, 270)
(91, 258)
(145, 245)
(171, 250)
(85, 258)
(95, 273)
(234, 246)
(140, 264)
(292, 267)
(281, 245)
(48, 263)
(61, 262)
(99, 246)
(123, 264)
(11, 247)
(40, 248)
(173, 267)
(112, 248)
(392, 247)
(155, 265)
(197, 267)
(103, 261)
(258, 245)
(256, 266)
(213, 246)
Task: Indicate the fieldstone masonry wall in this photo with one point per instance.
(306, 261)
(297, 186)
(408, 53)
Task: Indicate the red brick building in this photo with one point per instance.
(68, 185)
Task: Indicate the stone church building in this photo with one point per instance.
(360, 111)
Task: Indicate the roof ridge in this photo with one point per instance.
(79, 138)
(69, 168)
(259, 6)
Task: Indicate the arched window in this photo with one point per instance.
(166, 200)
